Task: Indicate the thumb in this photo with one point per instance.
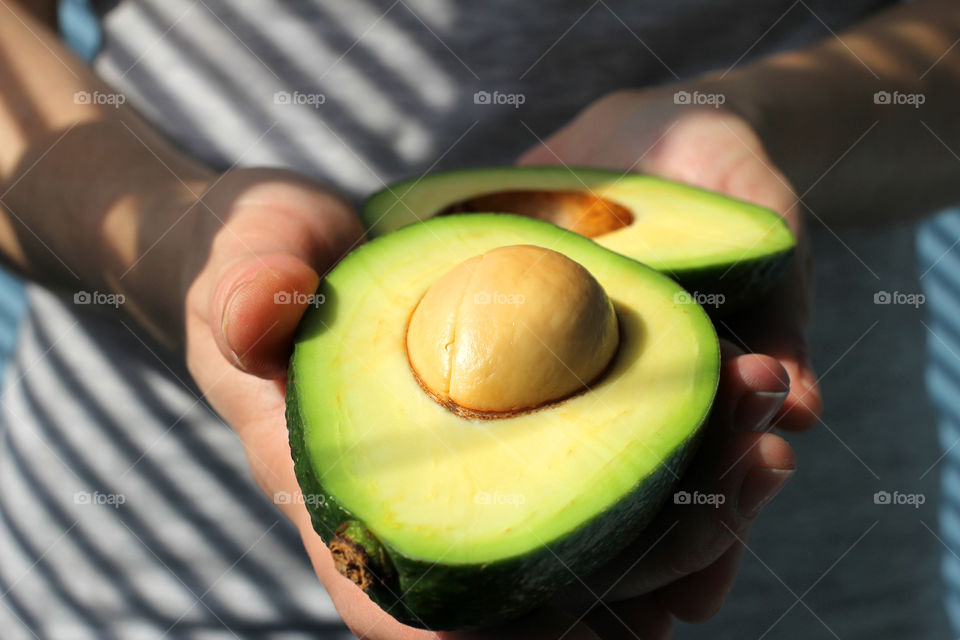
(256, 306)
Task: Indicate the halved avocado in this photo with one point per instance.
(724, 251)
(458, 474)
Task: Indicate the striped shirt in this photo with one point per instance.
(125, 507)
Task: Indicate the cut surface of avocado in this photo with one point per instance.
(454, 520)
(710, 243)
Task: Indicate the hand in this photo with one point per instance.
(685, 563)
(712, 148)
(280, 232)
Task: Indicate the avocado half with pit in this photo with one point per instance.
(486, 407)
(725, 252)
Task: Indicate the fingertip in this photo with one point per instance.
(259, 304)
(803, 407)
(772, 451)
(760, 373)
(752, 389)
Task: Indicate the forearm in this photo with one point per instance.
(82, 184)
(850, 158)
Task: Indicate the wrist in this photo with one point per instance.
(148, 242)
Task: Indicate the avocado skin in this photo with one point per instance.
(739, 284)
(446, 597)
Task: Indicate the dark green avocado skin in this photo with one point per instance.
(733, 286)
(448, 597)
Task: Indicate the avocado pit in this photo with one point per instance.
(582, 212)
(511, 330)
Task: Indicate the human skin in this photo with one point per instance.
(94, 198)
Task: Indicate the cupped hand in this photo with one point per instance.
(684, 564)
(712, 148)
(266, 238)
(271, 235)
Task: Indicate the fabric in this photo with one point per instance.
(79, 27)
(125, 507)
(939, 259)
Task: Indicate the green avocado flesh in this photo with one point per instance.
(452, 522)
(711, 244)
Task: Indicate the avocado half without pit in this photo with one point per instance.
(723, 251)
(488, 407)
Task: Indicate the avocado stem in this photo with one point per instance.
(359, 556)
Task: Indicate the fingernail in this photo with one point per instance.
(230, 298)
(759, 487)
(757, 408)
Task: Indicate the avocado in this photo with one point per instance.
(486, 406)
(725, 252)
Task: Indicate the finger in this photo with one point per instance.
(699, 596)
(752, 389)
(779, 330)
(266, 262)
(640, 618)
(256, 307)
(731, 479)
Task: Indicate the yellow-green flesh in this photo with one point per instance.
(439, 487)
(675, 226)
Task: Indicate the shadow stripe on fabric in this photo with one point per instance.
(56, 583)
(229, 551)
(142, 606)
(192, 584)
(113, 574)
(283, 143)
